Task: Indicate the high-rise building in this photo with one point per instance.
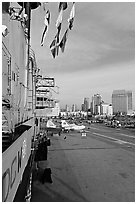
(96, 102)
(82, 107)
(74, 107)
(129, 95)
(86, 104)
(67, 108)
(121, 101)
(91, 108)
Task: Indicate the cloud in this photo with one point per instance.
(103, 34)
(100, 50)
(75, 86)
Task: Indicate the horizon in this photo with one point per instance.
(90, 100)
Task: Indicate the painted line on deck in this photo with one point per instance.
(127, 135)
(94, 128)
(111, 138)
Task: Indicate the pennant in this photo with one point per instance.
(57, 43)
(59, 19)
(63, 41)
(63, 5)
(44, 5)
(71, 18)
(54, 47)
(4, 31)
(58, 24)
(46, 22)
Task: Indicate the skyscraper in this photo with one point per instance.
(96, 101)
(74, 107)
(82, 107)
(86, 104)
(121, 101)
(67, 108)
(129, 95)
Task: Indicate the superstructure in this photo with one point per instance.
(26, 95)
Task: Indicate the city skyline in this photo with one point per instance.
(102, 100)
(99, 53)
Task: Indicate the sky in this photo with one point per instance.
(99, 56)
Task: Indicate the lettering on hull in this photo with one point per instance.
(14, 163)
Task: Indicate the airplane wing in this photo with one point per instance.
(79, 127)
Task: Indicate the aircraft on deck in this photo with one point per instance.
(50, 126)
(66, 126)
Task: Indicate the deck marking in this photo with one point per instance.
(94, 128)
(116, 140)
(127, 135)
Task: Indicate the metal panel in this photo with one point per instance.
(14, 161)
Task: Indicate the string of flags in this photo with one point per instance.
(57, 43)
